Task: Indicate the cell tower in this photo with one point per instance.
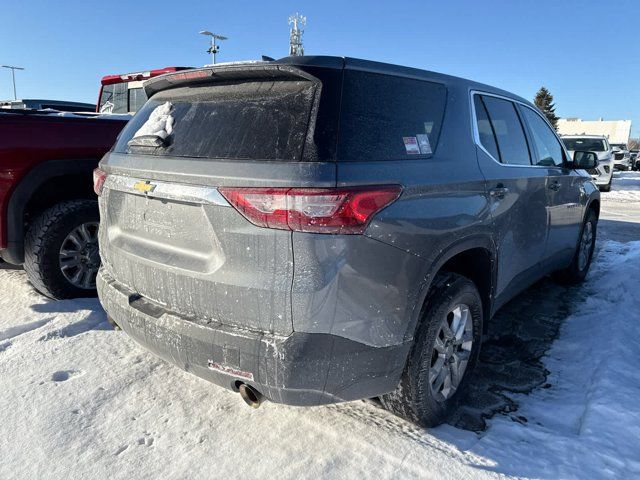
(295, 39)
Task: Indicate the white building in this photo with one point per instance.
(618, 131)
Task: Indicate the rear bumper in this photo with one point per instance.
(299, 369)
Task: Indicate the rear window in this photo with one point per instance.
(121, 98)
(263, 120)
(114, 99)
(384, 117)
(359, 116)
(137, 99)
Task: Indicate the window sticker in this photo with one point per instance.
(411, 145)
(423, 143)
(428, 127)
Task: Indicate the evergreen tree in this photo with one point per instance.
(544, 101)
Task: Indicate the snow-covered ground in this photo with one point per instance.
(80, 400)
(625, 189)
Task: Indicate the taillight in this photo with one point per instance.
(99, 177)
(320, 210)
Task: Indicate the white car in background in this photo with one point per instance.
(599, 144)
(635, 160)
(621, 157)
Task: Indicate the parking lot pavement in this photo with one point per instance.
(523, 330)
(79, 397)
(620, 210)
(511, 358)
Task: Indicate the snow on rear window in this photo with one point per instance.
(159, 123)
(260, 120)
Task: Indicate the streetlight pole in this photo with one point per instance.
(13, 76)
(213, 49)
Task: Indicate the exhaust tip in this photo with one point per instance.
(250, 395)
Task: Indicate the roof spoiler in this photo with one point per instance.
(224, 73)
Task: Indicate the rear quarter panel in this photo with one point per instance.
(443, 204)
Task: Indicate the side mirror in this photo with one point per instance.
(584, 160)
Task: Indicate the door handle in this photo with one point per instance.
(555, 186)
(498, 192)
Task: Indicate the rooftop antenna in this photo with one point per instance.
(13, 75)
(213, 49)
(295, 39)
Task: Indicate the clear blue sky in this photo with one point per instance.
(586, 52)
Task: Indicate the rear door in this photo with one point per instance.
(564, 190)
(517, 191)
(168, 235)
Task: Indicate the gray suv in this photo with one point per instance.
(320, 229)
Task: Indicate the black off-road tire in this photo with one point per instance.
(42, 247)
(413, 399)
(573, 274)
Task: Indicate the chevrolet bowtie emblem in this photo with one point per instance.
(144, 186)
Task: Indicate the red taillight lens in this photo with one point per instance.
(99, 177)
(320, 210)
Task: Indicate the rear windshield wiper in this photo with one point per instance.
(148, 141)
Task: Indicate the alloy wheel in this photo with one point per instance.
(451, 352)
(80, 257)
(586, 245)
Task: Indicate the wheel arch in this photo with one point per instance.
(474, 258)
(594, 205)
(43, 186)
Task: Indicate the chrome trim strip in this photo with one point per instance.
(476, 133)
(169, 191)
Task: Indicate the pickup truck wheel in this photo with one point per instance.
(445, 350)
(577, 271)
(61, 250)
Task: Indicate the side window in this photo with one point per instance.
(485, 130)
(385, 117)
(509, 133)
(548, 153)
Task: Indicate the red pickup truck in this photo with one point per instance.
(124, 93)
(48, 210)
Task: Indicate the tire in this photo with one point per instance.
(43, 256)
(415, 399)
(607, 187)
(577, 271)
